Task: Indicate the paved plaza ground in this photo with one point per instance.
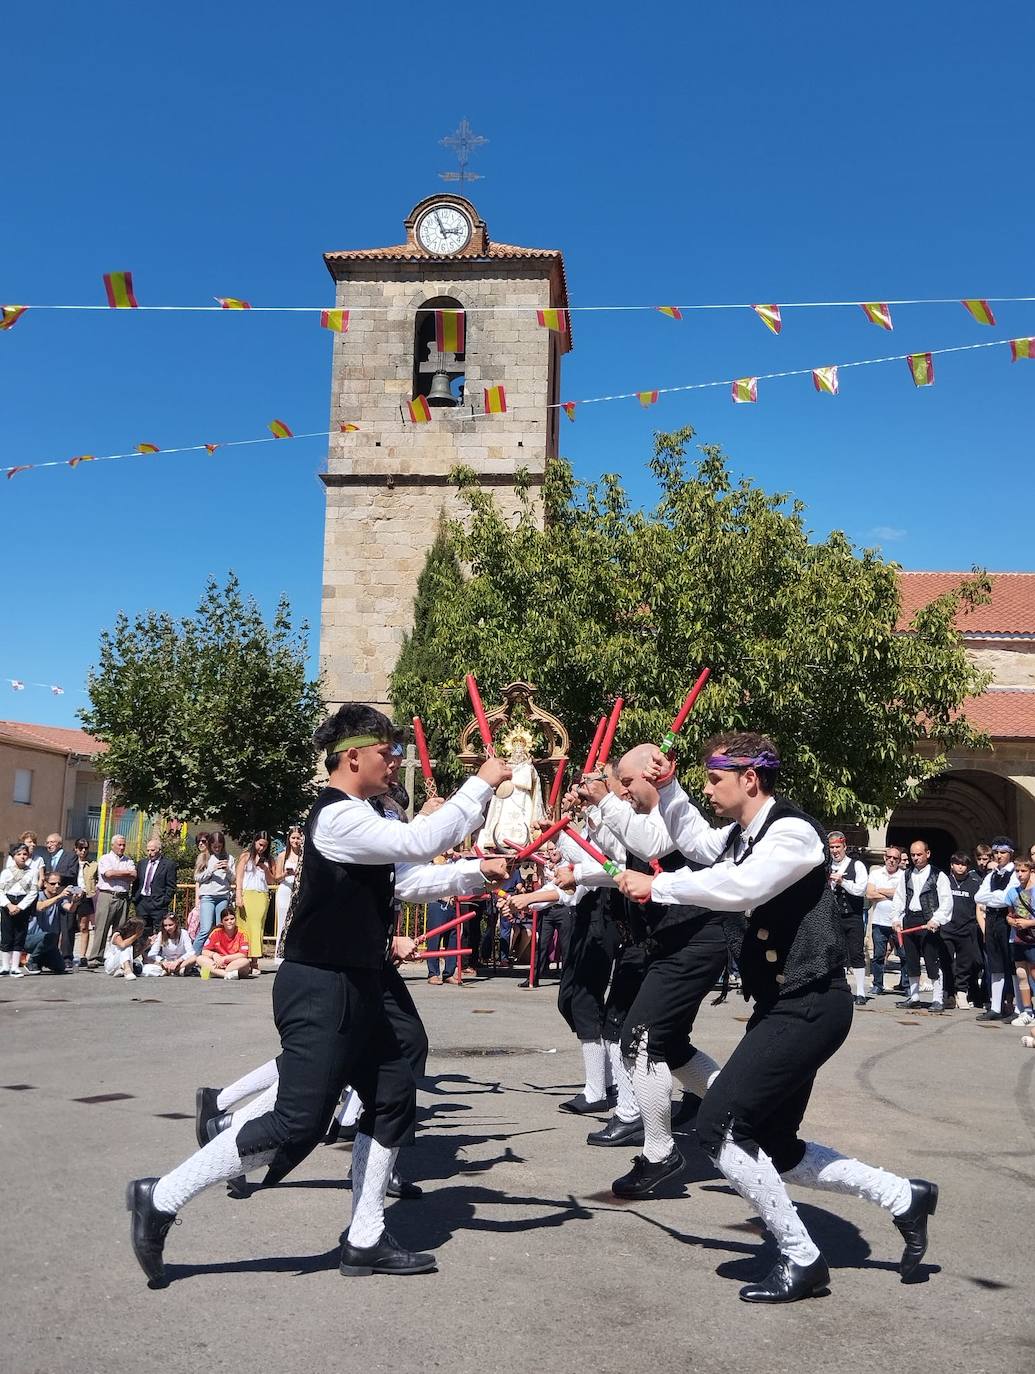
(540, 1267)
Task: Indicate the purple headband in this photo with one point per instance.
(721, 763)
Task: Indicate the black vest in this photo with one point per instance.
(847, 903)
(928, 895)
(663, 915)
(795, 938)
(341, 914)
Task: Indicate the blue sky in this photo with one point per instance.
(686, 153)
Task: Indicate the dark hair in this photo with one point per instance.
(260, 835)
(351, 719)
(982, 849)
(82, 844)
(744, 744)
(959, 857)
(203, 835)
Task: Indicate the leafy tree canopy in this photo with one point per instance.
(606, 600)
(210, 716)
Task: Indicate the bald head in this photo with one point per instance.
(633, 786)
(637, 759)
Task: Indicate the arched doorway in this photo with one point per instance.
(957, 810)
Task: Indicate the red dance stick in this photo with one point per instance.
(907, 930)
(479, 851)
(531, 950)
(558, 780)
(609, 733)
(592, 755)
(544, 838)
(425, 758)
(480, 716)
(668, 744)
(441, 930)
(439, 954)
(608, 865)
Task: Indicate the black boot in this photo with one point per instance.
(618, 1132)
(790, 1282)
(204, 1110)
(644, 1177)
(147, 1229)
(912, 1226)
(581, 1106)
(386, 1257)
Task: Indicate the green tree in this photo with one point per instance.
(604, 600)
(209, 716)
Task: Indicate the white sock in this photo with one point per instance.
(914, 989)
(859, 974)
(758, 1181)
(255, 1082)
(936, 989)
(652, 1084)
(5, 962)
(824, 1168)
(595, 1059)
(218, 1161)
(259, 1106)
(698, 1073)
(351, 1108)
(371, 1169)
(626, 1110)
(998, 987)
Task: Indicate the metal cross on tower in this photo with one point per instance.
(464, 141)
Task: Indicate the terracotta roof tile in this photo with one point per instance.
(1004, 714)
(53, 737)
(1011, 610)
(406, 252)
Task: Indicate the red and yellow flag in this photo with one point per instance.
(80, 458)
(450, 331)
(25, 467)
(148, 448)
(119, 288)
(770, 316)
(981, 310)
(1021, 348)
(745, 389)
(921, 368)
(672, 311)
(348, 427)
(877, 313)
(553, 319)
(232, 303)
(495, 400)
(211, 447)
(10, 315)
(646, 398)
(569, 409)
(338, 320)
(420, 411)
(279, 430)
(825, 379)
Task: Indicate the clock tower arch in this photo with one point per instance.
(387, 482)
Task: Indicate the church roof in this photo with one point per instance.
(1011, 611)
(405, 252)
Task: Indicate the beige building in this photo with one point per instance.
(387, 483)
(48, 781)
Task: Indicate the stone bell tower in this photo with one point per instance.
(387, 482)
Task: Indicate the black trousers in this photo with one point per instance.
(551, 918)
(14, 927)
(405, 1020)
(962, 963)
(334, 1028)
(922, 942)
(626, 981)
(760, 1096)
(684, 964)
(997, 945)
(854, 926)
(587, 968)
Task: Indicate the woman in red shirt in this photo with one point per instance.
(226, 949)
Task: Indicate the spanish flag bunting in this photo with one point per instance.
(553, 319)
(211, 447)
(26, 467)
(232, 303)
(745, 389)
(646, 398)
(981, 310)
(80, 458)
(877, 313)
(119, 288)
(495, 400)
(825, 379)
(449, 331)
(148, 448)
(279, 430)
(921, 367)
(16, 684)
(337, 320)
(569, 409)
(1021, 348)
(10, 315)
(420, 411)
(770, 316)
(57, 691)
(348, 427)
(672, 311)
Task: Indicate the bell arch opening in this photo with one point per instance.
(440, 351)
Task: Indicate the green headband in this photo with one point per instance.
(355, 742)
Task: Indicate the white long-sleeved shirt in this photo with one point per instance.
(788, 850)
(907, 899)
(19, 885)
(996, 898)
(850, 870)
(645, 835)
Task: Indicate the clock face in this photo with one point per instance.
(443, 229)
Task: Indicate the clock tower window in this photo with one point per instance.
(438, 376)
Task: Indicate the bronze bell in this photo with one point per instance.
(440, 394)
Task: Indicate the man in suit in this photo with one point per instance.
(65, 864)
(155, 886)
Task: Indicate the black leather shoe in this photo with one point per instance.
(581, 1107)
(644, 1177)
(910, 1004)
(204, 1110)
(403, 1187)
(936, 1008)
(216, 1125)
(618, 1132)
(912, 1226)
(860, 1001)
(148, 1229)
(386, 1257)
(790, 1282)
(989, 1016)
